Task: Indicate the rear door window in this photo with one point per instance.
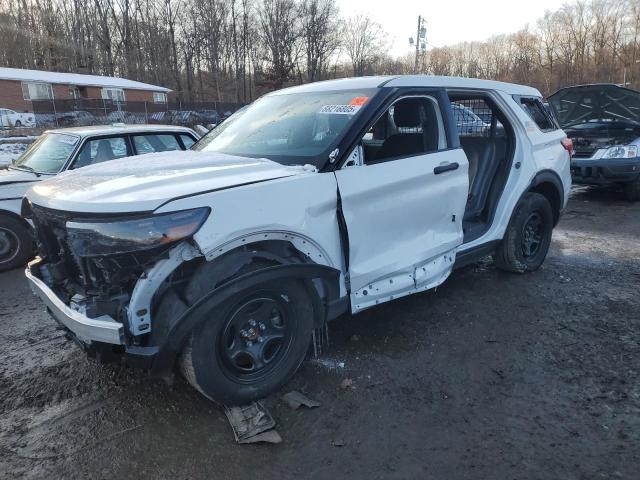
(101, 150)
(151, 143)
(538, 113)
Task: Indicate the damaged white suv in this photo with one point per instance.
(317, 200)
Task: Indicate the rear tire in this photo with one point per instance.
(252, 344)
(632, 191)
(16, 243)
(526, 242)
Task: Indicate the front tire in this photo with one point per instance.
(528, 236)
(252, 344)
(16, 243)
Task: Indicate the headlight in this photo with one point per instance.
(630, 151)
(88, 239)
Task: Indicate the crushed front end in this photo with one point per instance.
(98, 274)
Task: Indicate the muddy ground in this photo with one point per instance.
(493, 376)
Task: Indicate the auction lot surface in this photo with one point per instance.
(493, 376)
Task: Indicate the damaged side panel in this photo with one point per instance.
(273, 211)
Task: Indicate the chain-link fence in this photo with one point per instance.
(86, 111)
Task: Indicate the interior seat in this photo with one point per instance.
(409, 113)
(104, 152)
(484, 155)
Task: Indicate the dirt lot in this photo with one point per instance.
(493, 376)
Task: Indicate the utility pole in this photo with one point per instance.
(421, 34)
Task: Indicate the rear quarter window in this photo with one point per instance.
(537, 112)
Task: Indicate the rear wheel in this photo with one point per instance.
(18, 124)
(251, 344)
(528, 236)
(16, 243)
(633, 191)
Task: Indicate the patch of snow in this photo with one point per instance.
(10, 151)
(21, 74)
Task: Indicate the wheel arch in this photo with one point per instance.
(189, 316)
(548, 184)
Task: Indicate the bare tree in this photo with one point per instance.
(320, 34)
(364, 40)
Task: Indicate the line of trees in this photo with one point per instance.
(235, 50)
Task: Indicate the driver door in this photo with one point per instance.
(403, 193)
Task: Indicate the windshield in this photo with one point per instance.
(292, 129)
(48, 153)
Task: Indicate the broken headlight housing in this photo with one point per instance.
(113, 237)
(619, 151)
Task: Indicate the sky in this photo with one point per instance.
(448, 22)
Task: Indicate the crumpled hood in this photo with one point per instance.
(145, 182)
(14, 183)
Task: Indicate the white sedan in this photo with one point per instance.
(11, 118)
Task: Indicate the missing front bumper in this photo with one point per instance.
(103, 329)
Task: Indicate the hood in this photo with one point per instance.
(143, 183)
(14, 183)
(600, 103)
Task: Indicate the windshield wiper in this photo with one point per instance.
(25, 168)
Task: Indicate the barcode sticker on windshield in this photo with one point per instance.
(340, 109)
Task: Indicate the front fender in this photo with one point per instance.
(170, 349)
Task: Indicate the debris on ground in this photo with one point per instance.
(328, 363)
(252, 424)
(337, 443)
(296, 399)
(347, 384)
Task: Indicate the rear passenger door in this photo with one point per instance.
(403, 193)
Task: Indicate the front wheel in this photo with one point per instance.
(16, 243)
(251, 345)
(528, 236)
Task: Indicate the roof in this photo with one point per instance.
(23, 75)
(411, 81)
(118, 129)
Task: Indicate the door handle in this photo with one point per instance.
(446, 168)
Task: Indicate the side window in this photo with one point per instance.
(411, 126)
(151, 143)
(101, 150)
(187, 141)
(538, 113)
(475, 118)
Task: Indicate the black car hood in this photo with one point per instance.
(595, 103)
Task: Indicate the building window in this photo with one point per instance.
(74, 92)
(115, 94)
(159, 97)
(37, 91)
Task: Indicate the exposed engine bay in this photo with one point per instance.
(597, 116)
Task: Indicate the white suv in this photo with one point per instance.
(315, 201)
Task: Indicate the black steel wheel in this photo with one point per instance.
(528, 236)
(257, 335)
(252, 344)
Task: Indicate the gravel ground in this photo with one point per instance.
(492, 376)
